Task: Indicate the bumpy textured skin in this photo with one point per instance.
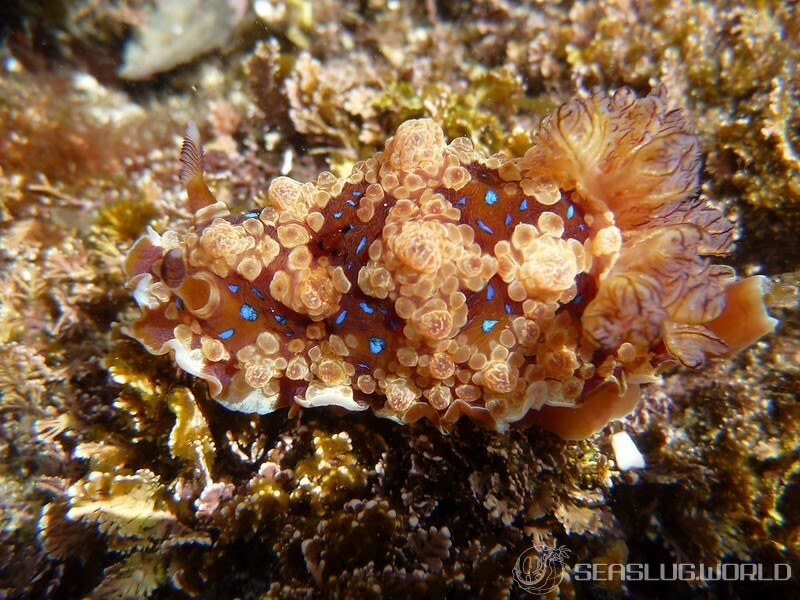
(436, 282)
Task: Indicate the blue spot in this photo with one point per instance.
(337, 214)
(508, 219)
(578, 299)
(357, 194)
(490, 197)
(366, 308)
(349, 266)
(376, 345)
(582, 227)
(342, 316)
(524, 204)
(488, 325)
(361, 244)
(226, 335)
(252, 214)
(350, 201)
(248, 313)
(280, 319)
(489, 292)
(363, 365)
(484, 227)
(508, 308)
(258, 293)
(179, 303)
(461, 201)
(233, 287)
(289, 333)
(570, 211)
(393, 325)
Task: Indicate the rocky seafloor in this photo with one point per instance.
(122, 478)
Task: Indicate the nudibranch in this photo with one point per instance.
(436, 282)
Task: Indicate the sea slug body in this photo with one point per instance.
(436, 282)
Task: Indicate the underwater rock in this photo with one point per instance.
(176, 32)
(435, 282)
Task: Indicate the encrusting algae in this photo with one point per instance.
(436, 282)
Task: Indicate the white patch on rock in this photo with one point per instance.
(626, 453)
